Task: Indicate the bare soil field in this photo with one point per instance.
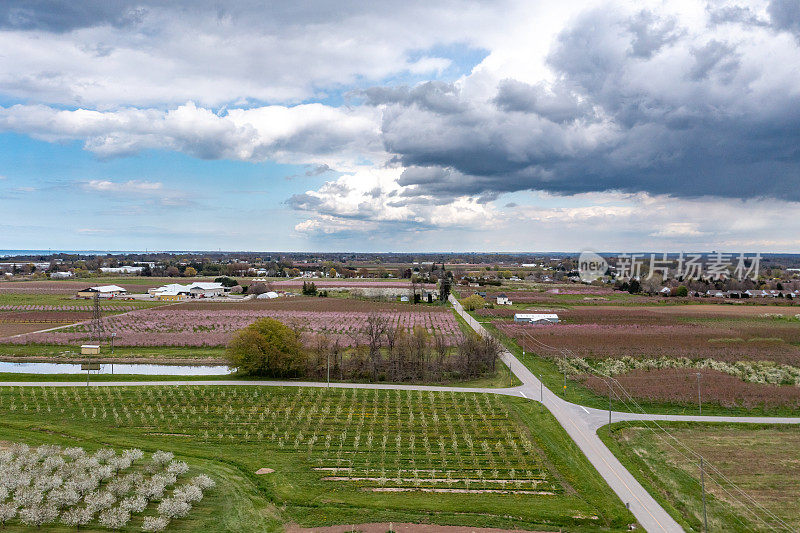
(9, 329)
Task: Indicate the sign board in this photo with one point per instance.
(90, 366)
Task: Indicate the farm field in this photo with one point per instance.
(764, 461)
(748, 356)
(215, 327)
(340, 456)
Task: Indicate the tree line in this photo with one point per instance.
(378, 352)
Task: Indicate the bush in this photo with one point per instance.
(682, 291)
(267, 348)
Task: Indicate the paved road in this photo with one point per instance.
(581, 423)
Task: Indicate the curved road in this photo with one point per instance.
(581, 423)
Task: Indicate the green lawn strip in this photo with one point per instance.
(676, 486)
(570, 462)
(547, 371)
(243, 429)
(215, 354)
(13, 298)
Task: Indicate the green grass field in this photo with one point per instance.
(761, 460)
(340, 456)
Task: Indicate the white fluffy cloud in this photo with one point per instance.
(306, 133)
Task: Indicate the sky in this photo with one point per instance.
(454, 125)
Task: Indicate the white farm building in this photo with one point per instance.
(102, 291)
(176, 291)
(536, 318)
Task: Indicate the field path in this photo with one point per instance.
(581, 423)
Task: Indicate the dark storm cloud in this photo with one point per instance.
(704, 131)
(556, 103)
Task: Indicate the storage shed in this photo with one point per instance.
(536, 318)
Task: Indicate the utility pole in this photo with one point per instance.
(329, 368)
(541, 391)
(609, 402)
(703, 486)
(699, 401)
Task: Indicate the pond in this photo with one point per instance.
(116, 368)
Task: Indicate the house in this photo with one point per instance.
(754, 293)
(665, 291)
(61, 275)
(536, 318)
(404, 298)
(733, 294)
(502, 299)
(103, 291)
(715, 293)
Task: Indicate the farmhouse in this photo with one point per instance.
(502, 299)
(61, 275)
(536, 318)
(102, 291)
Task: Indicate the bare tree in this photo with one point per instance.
(375, 328)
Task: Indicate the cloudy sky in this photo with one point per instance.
(449, 125)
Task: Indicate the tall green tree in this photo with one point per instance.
(268, 348)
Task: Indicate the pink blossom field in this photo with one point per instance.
(170, 327)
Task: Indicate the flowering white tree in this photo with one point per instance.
(37, 515)
(134, 504)
(77, 516)
(189, 493)
(177, 468)
(161, 458)
(115, 518)
(174, 508)
(203, 481)
(155, 523)
(38, 484)
(7, 512)
(99, 499)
